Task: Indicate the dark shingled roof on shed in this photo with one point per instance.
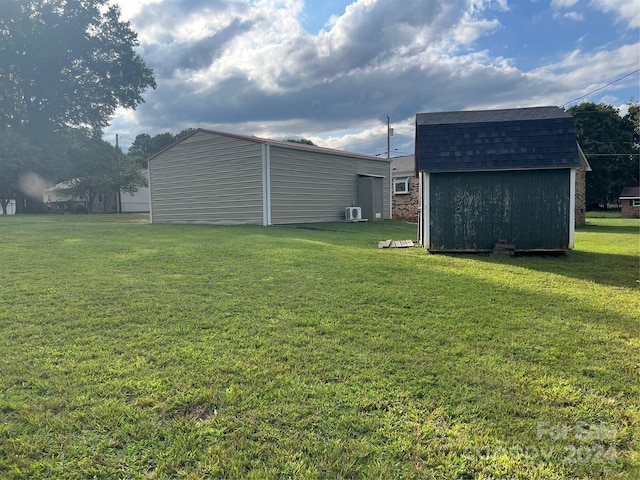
(509, 139)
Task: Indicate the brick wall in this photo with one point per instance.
(405, 206)
(581, 196)
(628, 210)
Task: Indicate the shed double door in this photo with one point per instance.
(370, 197)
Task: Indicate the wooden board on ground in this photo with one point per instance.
(396, 244)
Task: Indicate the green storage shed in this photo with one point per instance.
(497, 176)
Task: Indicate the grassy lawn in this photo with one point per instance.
(130, 350)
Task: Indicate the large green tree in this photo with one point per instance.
(96, 168)
(66, 63)
(607, 139)
(304, 141)
(17, 158)
(65, 67)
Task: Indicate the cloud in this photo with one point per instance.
(250, 67)
(582, 72)
(226, 62)
(573, 16)
(626, 10)
(563, 3)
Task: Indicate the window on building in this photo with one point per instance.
(635, 202)
(401, 185)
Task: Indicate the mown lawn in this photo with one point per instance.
(130, 350)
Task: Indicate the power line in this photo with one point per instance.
(612, 154)
(603, 87)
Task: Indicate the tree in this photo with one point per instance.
(607, 140)
(66, 63)
(144, 145)
(303, 141)
(96, 167)
(17, 158)
(633, 119)
(140, 148)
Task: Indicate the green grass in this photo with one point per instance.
(611, 212)
(131, 350)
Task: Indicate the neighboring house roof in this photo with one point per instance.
(630, 193)
(66, 185)
(264, 141)
(403, 166)
(508, 139)
(59, 192)
(60, 186)
(583, 159)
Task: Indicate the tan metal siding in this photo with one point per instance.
(208, 179)
(309, 186)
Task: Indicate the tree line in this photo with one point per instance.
(611, 143)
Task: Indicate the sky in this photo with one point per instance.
(332, 70)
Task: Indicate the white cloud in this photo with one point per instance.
(626, 10)
(563, 3)
(580, 73)
(559, 5)
(573, 16)
(130, 8)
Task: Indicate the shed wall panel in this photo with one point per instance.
(471, 211)
(208, 179)
(309, 186)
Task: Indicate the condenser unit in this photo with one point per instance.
(353, 214)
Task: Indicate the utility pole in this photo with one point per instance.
(118, 198)
(389, 135)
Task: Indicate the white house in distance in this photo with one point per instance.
(222, 178)
(137, 202)
(57, 200)
(11, 208)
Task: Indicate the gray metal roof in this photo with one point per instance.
(404, 165)
(279, 143)
(484, 116)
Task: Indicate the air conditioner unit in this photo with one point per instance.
(352, 214)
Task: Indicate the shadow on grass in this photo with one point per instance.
(601, 268)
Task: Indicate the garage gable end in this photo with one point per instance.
(208, 178)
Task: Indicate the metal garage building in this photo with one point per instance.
(222, 178)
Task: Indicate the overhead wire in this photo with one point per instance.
(601, 88)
